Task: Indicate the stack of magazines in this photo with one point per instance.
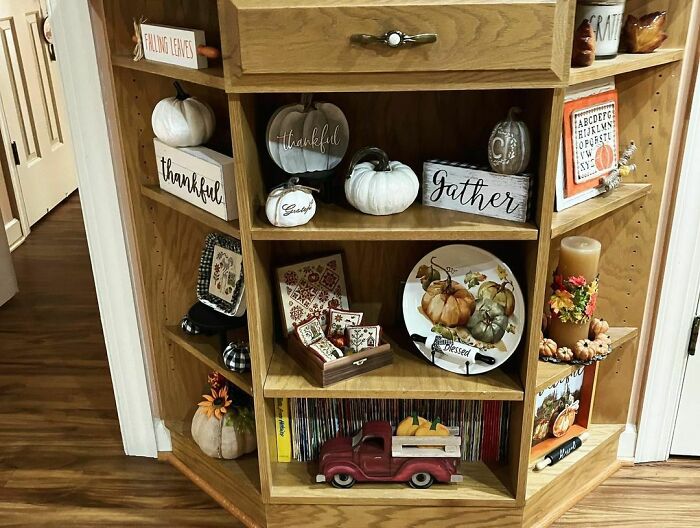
(483, 425)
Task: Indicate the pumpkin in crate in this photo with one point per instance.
(222, 431)
(434, 428)
(183, 121)
(307, 137)
(509, 145)
(408, 426)
(447, 302)
(489, 321)
(380, 187)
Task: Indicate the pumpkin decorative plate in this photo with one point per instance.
(464, 309)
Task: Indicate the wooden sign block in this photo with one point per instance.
(173, 45)
(199, 176)
(466, 188)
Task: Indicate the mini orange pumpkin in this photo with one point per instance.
(565, 354)
(548, 348)
(598, 326)
(601, 349)
(585, 350)
(604, 338)
(447, 302)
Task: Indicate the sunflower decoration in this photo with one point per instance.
(217, 403)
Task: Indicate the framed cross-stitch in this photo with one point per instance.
(220, 284)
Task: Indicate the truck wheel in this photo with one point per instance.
(342, 480)
(421, 480)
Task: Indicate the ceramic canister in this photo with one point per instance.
(606, 18)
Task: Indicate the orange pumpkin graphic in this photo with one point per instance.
(604, 157)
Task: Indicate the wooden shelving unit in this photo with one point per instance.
(436, 102)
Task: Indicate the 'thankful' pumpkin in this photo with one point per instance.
(182, 121)
(447, 302)
(380, 187)
(509, 145)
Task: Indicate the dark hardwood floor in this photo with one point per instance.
(61, 457)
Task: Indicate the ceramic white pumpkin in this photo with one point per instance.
(183, 121)
(221, 438)
(290, 205)
(307, 137)
(380, 187)
(509, 145)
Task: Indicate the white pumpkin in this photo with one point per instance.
(221, 438)
(380, 187)
(509, 145)
(183, 121)
(290, 205)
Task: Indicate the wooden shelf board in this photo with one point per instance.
(418, 222)
(623, 63)
(408, 377)
(578, 215)
(206, 349)
(600, 436)
(234, 483)
(212, 77)
(155, 193)
(549, 373)
(294, 482)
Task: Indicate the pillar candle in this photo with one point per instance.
(578, 256)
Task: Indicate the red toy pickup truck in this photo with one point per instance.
(374, 455)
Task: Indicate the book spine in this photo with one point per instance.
(282, 426)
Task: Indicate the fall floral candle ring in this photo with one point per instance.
(573, 299)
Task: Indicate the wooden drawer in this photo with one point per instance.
(305, 36)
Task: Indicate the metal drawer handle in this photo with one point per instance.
(394, 38)
(359, 361)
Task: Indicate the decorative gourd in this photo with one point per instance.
(307, 137)
(600, 348)
(489, 321)
(583, 53)
(222, 432)
(183, 121)
(409, 426)
(380, 187)
(509, 145)
(564, 354)
(499, 293)
(290, 205)
(548, 348)
(644, 34)
(585, 350)
(598, 326)
(447, 302)
(605, 339)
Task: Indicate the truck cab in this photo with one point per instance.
(370, 456)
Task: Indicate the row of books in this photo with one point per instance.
(304, 424)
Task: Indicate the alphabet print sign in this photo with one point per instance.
(199, 176)
(465, 188)
(307, 137)
(173, 45)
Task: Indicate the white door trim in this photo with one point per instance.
(676, 307)
(106, 236)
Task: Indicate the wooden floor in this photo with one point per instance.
(61, 458)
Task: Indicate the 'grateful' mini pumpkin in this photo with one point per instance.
(489, 321)
(290, 205)
(509, 145)
(380, 187)
(307, 137)
(182, 121)
(548, 348)
(598, 326)
(447, 302)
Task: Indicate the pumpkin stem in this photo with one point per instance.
(513, 112)
(181, 93)
(434, 424)
(448, 285)
(307, 101)
(380, 165)
(415, 418)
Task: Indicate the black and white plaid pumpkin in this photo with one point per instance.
(189, 327)
(237, 357)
